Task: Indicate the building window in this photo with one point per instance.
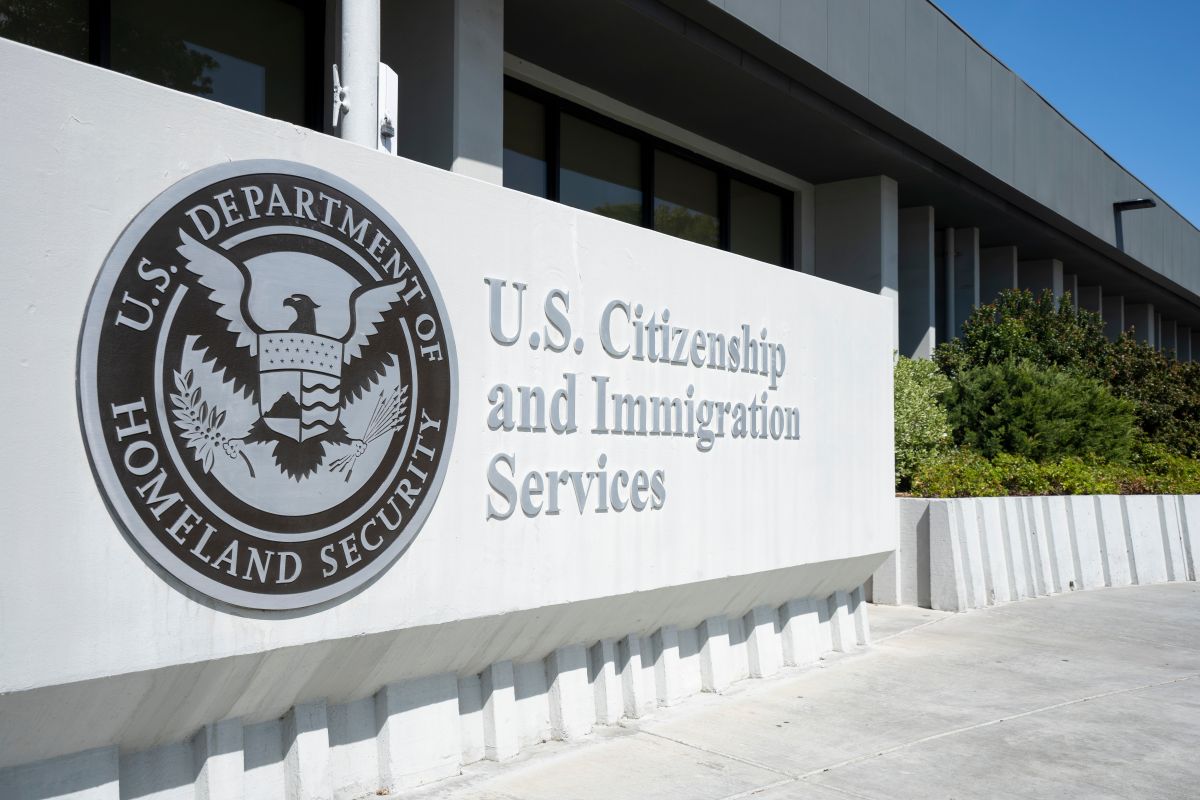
(263, 56)
(60, 26)
(756, 224)
(600, 171)
(685, 200)
(525, 145)
(561, 151)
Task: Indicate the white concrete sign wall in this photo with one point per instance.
(563, 526)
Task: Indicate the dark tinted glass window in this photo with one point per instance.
(600, 170)
(685, 200)
(524, 144)
(245, 53)
(755, 223)
(60, 26)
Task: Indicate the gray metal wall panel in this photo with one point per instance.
(762, 15)
(918, 68)
(1043, 124)
(1025, 132)
(887, 48)
(1003, 121)
(1064, 158)
(920, 65)
(978, 143)
(952, 84)
(804, 29)
(849, 43)
(1108, 189)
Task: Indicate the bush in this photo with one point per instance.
(1165, 393)
(1020, 327)
(922, 429)
(1039, 413)
(957, 473)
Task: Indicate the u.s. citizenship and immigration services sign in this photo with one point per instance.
(267, 384)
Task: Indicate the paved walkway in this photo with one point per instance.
(1087, 695)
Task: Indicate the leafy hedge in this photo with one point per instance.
(922, 427)
(1037, 401)
(1037, 412)
(963, 473)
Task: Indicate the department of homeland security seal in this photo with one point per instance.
(267, 384)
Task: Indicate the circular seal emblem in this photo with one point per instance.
(267, 384)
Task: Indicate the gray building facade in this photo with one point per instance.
(870, 142)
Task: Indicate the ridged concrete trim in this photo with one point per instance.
(979, 551)
(422, 730)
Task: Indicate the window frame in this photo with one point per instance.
(648, 143)
(100, 52)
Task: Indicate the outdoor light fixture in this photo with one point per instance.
(1128, 205)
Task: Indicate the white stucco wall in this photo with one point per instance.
(101, 649)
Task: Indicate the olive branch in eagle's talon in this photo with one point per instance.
(389, 415)
(201, 424)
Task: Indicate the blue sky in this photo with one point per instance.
(1126, 73)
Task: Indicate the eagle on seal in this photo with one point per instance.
(300, 379)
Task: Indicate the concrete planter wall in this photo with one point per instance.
(971, 552)
(423, 729)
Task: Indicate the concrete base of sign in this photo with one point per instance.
(966, 553)
(420, 730)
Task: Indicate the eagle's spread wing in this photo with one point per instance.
(228, 283)
(370, 340)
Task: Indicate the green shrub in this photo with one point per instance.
(1021, 327)
(922, 429)
(1163, 471)
(1165, 393)
(1039, 413)
(957, 473)
(1153, 469)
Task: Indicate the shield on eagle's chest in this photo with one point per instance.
(299, 383)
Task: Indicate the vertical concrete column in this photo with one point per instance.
(943, 258)
(1158, 330)
(306, 774)
(1038, 276)
(1071, 285)
(715, 666)
(219, 761)
(964, 276)
(418, 739)
(841, 623)
(762, 642)
(1140, 321)
(500, 740)
(449, 55)
(637, 700)
(1113, 314)
(667, 681)
(606, 686)
(801, 635)
(1183, 342)
(858, 610)
(803, 222)
(359, 58)
(88, 775)
(1167, 331)
(917, 282)
(997, 272)
(856, 235)
(1091, 298)
(572, 705)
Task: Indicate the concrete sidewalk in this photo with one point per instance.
(1091, 694)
